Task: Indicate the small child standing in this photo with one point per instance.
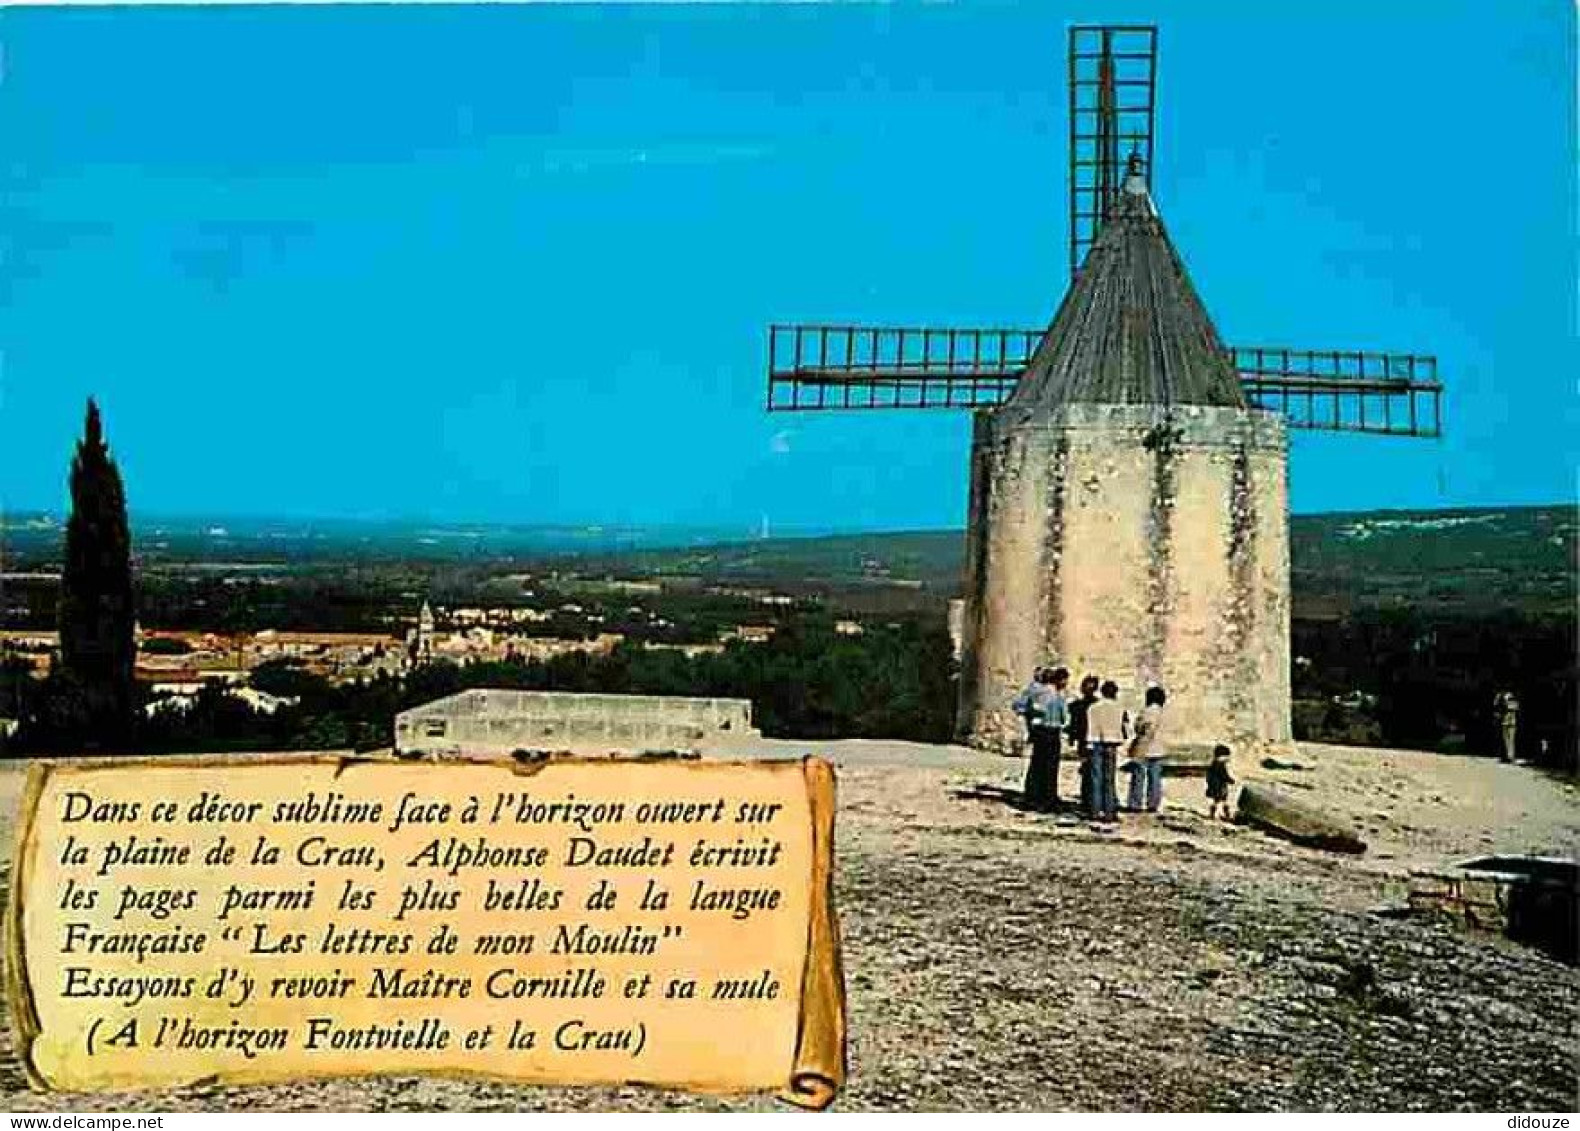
(1218, 782)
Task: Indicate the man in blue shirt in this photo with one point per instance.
(1043, 707)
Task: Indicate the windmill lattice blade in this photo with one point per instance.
(829, 367)
(1388, 394)
(853, 367)
(1112, 109)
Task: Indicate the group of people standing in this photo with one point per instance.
(1097, 727)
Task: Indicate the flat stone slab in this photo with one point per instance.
(501, 721)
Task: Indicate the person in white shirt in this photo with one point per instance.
(1146, 755)
(1107, 728)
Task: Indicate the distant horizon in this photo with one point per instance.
(194, 520)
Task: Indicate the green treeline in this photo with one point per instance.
(807, 681)
(1400, 679)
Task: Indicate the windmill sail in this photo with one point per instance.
(1112, 112)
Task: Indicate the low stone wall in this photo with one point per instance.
(500, 722)
(1475, 899)
(1532, 899)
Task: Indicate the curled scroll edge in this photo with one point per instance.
(819, 1068)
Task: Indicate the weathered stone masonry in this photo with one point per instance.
(1150, 563)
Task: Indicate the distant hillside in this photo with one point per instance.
(35, 538)
(1467, 559)
(1521, 557)
(930, 559)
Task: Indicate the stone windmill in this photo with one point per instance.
(1128, 503)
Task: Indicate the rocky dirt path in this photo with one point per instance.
(1002, 960)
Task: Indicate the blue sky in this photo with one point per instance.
(515, 263)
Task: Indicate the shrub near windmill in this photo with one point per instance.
(1128, 503)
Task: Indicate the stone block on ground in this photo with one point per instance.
(501, 722)
(1295, 821)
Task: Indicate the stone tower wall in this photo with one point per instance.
(1140, 544)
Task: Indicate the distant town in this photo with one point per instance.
(176, 664)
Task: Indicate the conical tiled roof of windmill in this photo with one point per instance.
(1131, 329)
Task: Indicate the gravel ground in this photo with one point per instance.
(1006, 961)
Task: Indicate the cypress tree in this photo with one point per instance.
(98, 649)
